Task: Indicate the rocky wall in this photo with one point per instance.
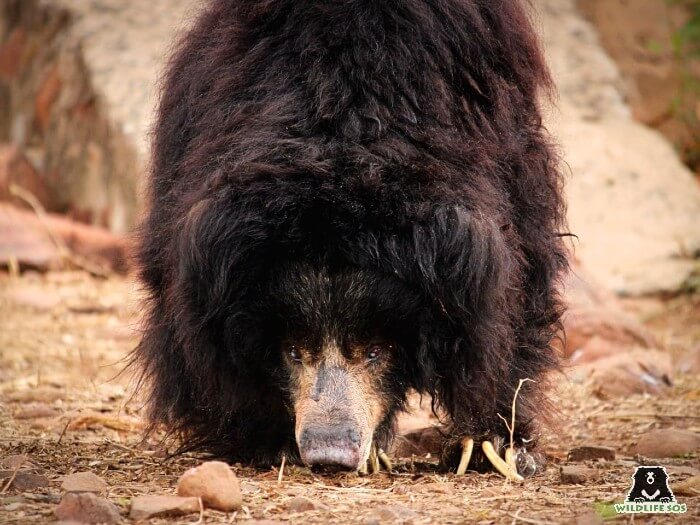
(50, 109)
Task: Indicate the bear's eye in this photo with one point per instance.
(374, 352)
(295, 353)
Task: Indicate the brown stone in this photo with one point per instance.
(15, 462)
(11, 53)
(668, 443)
(301, 504)
(577, 474)
(590, 452)
(688, 487)
(84, 482)
(597, 331)
(25, 481)
(25, 238)
(84, 507)
(46, 98)
(633, 372)
(16, 169)
(146, 507)
(390, 514)
(215, 483)
(36, 412)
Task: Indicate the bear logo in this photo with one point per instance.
(650, 484)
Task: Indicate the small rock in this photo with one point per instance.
(632, 372)
(577, 474)
(25, 481)
(84, 482)
(36, 412)
(145, 507)
(668, 443)
(214, 482)
(301, 504)
(389, 514)
(85, 507)
(590, 452)
(23, 239)
(15, 462)
(688, 487)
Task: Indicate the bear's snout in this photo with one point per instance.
(336, 445)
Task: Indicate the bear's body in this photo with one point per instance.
(388, 156)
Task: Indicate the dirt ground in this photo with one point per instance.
(64, 337)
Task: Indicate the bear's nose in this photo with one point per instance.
(337, 445)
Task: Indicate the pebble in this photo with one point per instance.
(146, 507)
(36, 412)
(25, 481)
(590, 452)
(577, 474)
(667, 443)
(214, 482)
(84, 482)
(85, 507)
(688, 487)
(15, 462)
(389, 514)
(301, 504)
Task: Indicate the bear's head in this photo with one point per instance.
(345, 337)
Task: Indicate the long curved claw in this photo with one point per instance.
(467, 449)
(363, 469)
(373, 460)
(384, 459)
(500, 465)
(377, 458)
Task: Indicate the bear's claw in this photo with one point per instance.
(467, 449)
(507, 467)
(377, 459)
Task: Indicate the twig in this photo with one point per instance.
(11, 480)
(281, 472)
(511, 427)
(63, 251)
(63, 432)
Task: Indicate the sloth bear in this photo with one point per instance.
(352, 200)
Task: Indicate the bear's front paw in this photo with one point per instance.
(516, 464)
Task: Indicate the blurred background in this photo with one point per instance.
(78, 85)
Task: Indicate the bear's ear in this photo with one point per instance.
(219, 256)
(462, 264)
(457, 258)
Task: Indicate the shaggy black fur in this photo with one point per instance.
(397, 141)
